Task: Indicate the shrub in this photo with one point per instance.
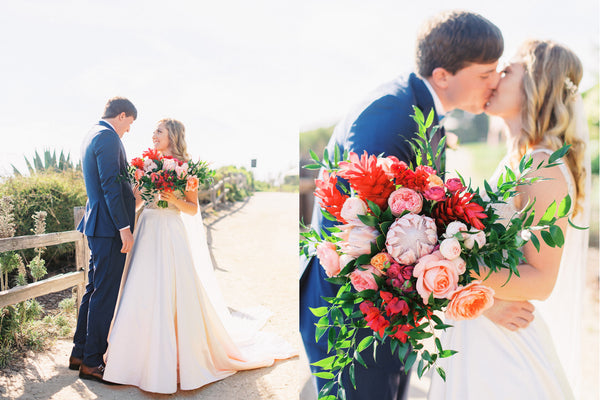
(56, 193)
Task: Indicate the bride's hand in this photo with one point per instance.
(169, 197)
(513, 315)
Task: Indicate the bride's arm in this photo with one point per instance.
(188, 205)
(538, 275)
(138, 197)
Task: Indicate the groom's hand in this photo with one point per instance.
(513, 315)
(126, 239)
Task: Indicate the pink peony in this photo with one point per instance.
(363, 280)
(353, 206)
(405, 199)
(435, 276)
(450, 248)
(169, 164)
(356, 239)
(410, 238)
(329, 258)
(181, 170)
(470, 302)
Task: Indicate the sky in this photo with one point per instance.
(244, 77)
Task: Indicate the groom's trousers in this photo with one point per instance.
(98, 302)
(382, 380)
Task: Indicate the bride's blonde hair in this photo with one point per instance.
(176, 132)
(552, 74)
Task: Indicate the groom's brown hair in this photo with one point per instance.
(455, 39)
(118, 105)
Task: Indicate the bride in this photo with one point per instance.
(171, 324)
(537, 98)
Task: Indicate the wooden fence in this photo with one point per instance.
(216, 194)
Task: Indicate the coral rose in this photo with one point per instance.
(410, 238)
(352, 208)
(356, 239)
(381, 261)
(470, 302)
(192, 184)
(363, 279)
(329, 258)
(450, 248)
(405, 199)
(139, 173)
(435, 276)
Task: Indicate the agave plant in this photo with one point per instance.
(50, 163)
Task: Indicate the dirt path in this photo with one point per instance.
(254, 247)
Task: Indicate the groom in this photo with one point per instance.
(108, 225)
(456, 58)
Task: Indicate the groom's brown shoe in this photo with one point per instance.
(74, 363)
(92, 373)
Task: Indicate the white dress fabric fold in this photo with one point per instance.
(538, 362)
(166, 329)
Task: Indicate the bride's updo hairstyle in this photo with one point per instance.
(552, 74)
(176, 138)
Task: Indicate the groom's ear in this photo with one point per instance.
(440, 77)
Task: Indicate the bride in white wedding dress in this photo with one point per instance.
(537, 98)
(171, 324)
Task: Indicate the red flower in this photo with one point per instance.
(138, 162)
(454, 185)
(367, 178)
(435, 193)
(331, 198)
(399, 332)
(153, 154)
(373, 316)
(459, 207)
(417, 180)
(393, 304)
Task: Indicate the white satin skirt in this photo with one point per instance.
(165, 330)
(494, 363)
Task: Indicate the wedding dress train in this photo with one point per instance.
(171, 324)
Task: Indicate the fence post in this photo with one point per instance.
(82, 256)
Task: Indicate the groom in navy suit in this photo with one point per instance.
(456, 59)
(108, 225)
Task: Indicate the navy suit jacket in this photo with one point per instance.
(381, 124)
(111, 203)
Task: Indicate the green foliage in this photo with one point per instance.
(56, 193)
(50, 163)
(314, 140)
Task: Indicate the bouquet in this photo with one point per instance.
(405, 246)
(154, 173)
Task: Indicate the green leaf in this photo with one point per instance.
(314, 156)
(418, 115)
(535, 241)
(318, 312)
(312, 166)
(365, 343)
(359, 358)
(380, 242)
(363, 259)
(368, 220)
(559, 153)
(447, 353)
(384, 227)
(324, 375)
(429, 119)
(564, 207)
(441, 373)
(336, 154)
(557, 235)
(330, 339)
(352, 377)
(325, 363)
(548, 238)
(374, 207)
(410, 360)
(581, 228)
(549, 214)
